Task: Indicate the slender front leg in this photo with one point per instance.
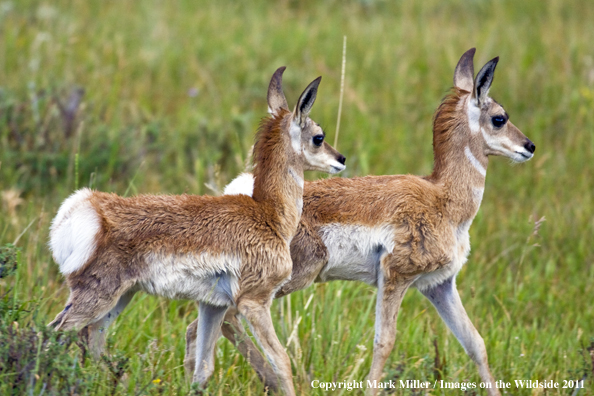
(210, 318)
(234, 332)
(447, 301)
(389, 297)
(258, 317)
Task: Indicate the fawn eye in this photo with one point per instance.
(498, 121)
(318, 140)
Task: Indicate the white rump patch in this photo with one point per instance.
(355, 251)
(477, 165)
(295, 133)
(211, 278)
(73, 232)
(474, 114)
(242, 184)
(460, 254)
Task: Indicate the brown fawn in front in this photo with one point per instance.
(221, 251)
(394, 232)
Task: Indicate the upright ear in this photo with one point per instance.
(483, 81)
(276, 97)
(464, 73)
(306, 101)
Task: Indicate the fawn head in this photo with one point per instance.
(307, 137)
(487, 119)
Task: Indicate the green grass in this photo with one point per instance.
(173, 92)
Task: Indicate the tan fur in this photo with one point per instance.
(428, 218)
(221, 251)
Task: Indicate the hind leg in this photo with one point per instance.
(95, 333)
(208, 331)
(190, 357)
(87, 304)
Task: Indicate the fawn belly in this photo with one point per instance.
(193, 276)
(355, 251)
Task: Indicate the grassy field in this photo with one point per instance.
(165, 97)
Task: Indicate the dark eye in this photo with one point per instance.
(318, 140)
(498, 121)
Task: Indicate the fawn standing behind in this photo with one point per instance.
(396, 231)
(221, 251)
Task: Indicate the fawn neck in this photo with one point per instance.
(460, 163)
(278, 173)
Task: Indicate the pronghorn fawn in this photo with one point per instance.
(394, 232)
(221, 251)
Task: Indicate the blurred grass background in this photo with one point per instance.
(164, 97)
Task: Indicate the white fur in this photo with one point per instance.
(73, 232)
(477, 165)
(355, 251)
(242, 184)
(326, 162)
(295, 133)
(299, 204)
(506, 147)
(477, 195)
(212, 278)
(473, 113)
(460, 254)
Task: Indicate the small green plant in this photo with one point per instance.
(8, 260)
(34, 359)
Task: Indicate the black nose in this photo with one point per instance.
(530, 146)
(341, 158)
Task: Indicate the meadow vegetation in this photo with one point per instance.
(165, 97)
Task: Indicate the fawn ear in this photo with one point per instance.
(483, 81)
(464, 73)
(276, 97)
(306, 101)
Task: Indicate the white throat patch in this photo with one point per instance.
(298, 179)
(474, 113)
(477, 165)
(295, 133)
(477, 194)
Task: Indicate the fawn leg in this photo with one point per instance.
(208, 331)
(96, 333)
(258, 317)
(389, 297)
(232, 330)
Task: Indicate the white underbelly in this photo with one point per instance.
(355, 251)
(199, 277)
